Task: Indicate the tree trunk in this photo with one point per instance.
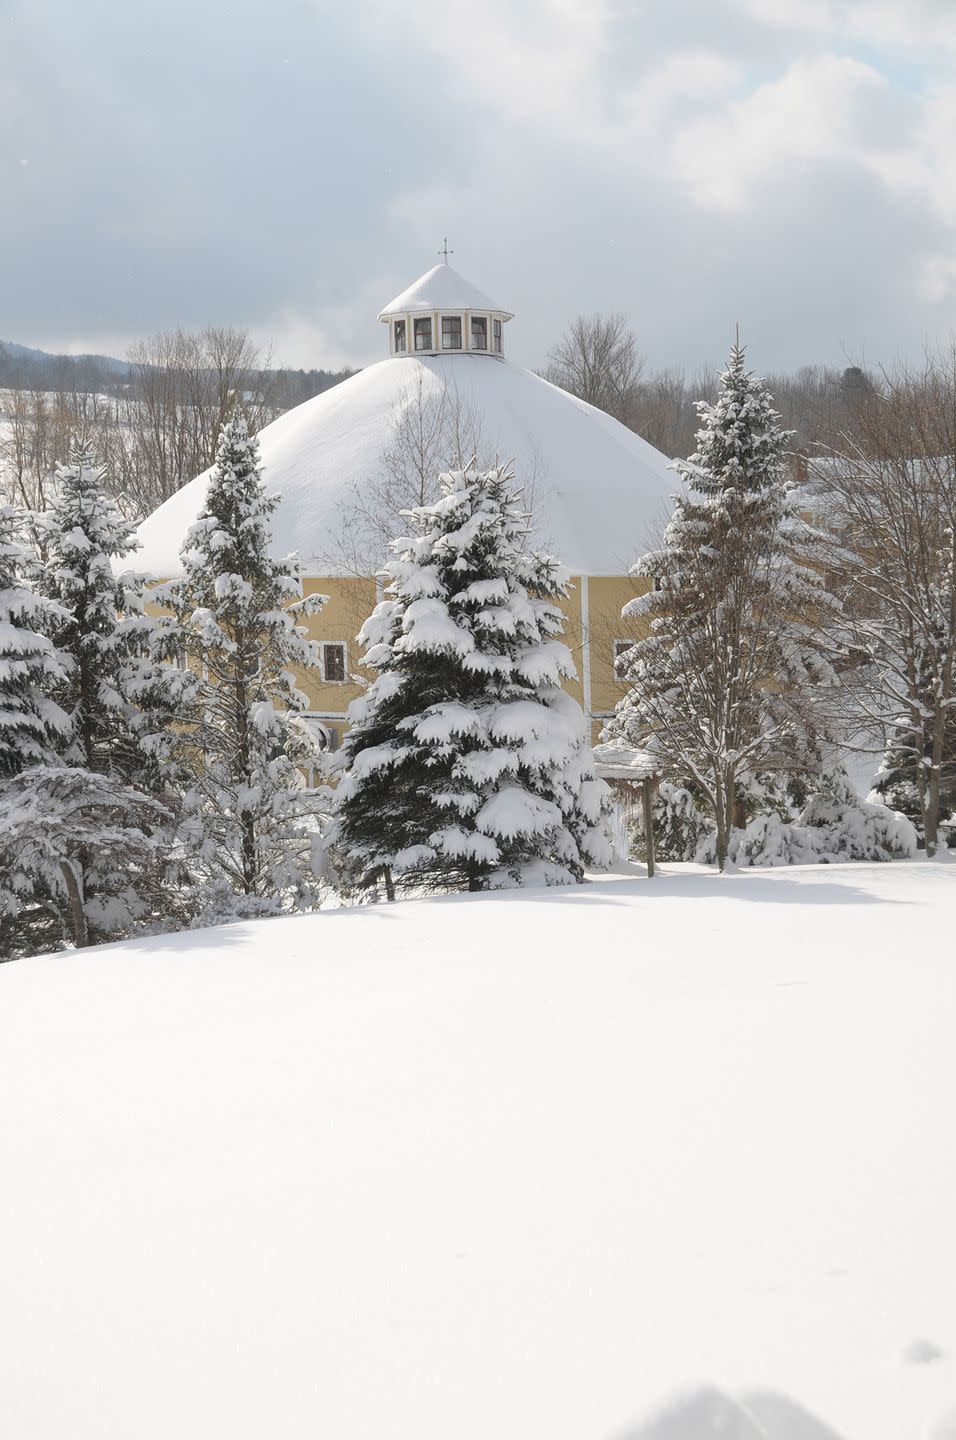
(931, 811)
(389, 882)
(648, 826)
(720, 818)
(247, 838)
(79, 931)
(931, 816)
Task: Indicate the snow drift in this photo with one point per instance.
(517, 1165)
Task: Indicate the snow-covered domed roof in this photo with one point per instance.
(599, 490)
(441, 288)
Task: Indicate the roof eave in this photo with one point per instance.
(419, 306)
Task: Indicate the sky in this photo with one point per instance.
(288, 167)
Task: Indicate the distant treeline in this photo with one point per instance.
(22, 367)
(598, 358)
(153, 419)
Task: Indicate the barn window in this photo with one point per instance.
(423, 334)
(333, 662)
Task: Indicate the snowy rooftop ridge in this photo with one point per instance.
(441, 288)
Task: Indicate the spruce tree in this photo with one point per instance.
(31, 723)
(115, 693)
(238, 614)
(88, 846)
(467, 764)
(83, 859)
(726, 681)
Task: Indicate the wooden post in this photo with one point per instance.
(648, 826)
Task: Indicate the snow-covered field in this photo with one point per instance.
(670, 1159)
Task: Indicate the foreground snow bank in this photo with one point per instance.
(638, 1160)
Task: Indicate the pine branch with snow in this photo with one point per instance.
(32, 725)
(467, 763)
(238, 616)
(82, 859)
(835, 826)
(79, 831)
(115, 692)
(729, 676)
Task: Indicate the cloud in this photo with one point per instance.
(831, 111)
(787, 163)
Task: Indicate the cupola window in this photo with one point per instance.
(451, 332)
(496, 332)
(479, 332)
(423, 334)
(401, 341)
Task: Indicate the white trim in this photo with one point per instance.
(586, 645)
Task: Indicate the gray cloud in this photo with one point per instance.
(289, 166)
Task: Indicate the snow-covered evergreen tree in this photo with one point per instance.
(724, 681)
(32, 725)
(468, 765)
(238, 614)
(115, 693)
(678, 825)
(87, 848)
(834, 826)
(83, 859)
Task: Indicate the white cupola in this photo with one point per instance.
(442, 313)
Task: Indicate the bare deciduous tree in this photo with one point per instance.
(431, 430)
(41, 428)
(155, 424)
(597, 360)
(890, 502)
(183, 387)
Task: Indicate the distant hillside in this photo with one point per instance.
(24, 365)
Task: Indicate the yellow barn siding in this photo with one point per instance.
(608, 594)
(570, 607)
(352, 600)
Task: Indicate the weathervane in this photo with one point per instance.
(445, 250)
